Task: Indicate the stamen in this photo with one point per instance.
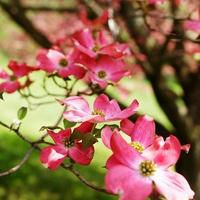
(68, 143)
(63, 62)
(147, 168)
(96, 48)
(137, 146)
(13, 77)
(102, 74)
(98, 112)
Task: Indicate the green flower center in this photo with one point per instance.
(68, 143)
(137, 146)
(96, 48)
(102, 74)
(63, 62)
(98, 112)
(147, 168)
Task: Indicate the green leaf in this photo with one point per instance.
(22, 113)
(97, 133)
(88, 140)
(68, 124)
(77, 135)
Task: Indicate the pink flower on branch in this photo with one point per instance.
(104, 110)
(104, 69)
(64, 64)
(12, 81)
(134, 176)
(83, 40)
(142, 133)
(52, 156)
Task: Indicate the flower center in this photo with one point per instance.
(63, 62)
(98, 112)
(13, 77)
(96, 48)
(68, 143)
(137, 146)
(102, 74)
(147, 168)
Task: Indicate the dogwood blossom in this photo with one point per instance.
(142, 133)
(134, 176)
(11, 81)
(104, 69)
(83, 40)
(52, 156)
(64, 64)
(104, 110)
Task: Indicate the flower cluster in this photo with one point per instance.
(95, 60)
(136, 169)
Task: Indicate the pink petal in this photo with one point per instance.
(75, 116)
(172, 185)
(112, 161)
(171, 147)
(4, 74)
(103, 103)
(60, 136)
(126, 126)
(85, 127)
(128, 183)
(81, 156)
(144, 131)
(45, 64)
(111, 50)
(124, 152)
(127, 112)
(106, 134)
(78, 103)
(9, 86)
(51, 157)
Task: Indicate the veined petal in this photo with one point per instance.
(128, 183)
(112, 162)
(126, 126)
(75, 116)
(81, 156)
(124, 152)
(45, 63)
(171, 147)
(127, 112)
(106, 134)
(51, 157)
(172, 185)
(144, 131)
(78, 103)
(60, 136)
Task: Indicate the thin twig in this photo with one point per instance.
(20, 164)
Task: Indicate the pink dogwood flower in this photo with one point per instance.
(142, 133)
(105, 69)
(83, 40)
(104, 110)
(64, 64)
(52, 156)
(12, 82)
(134, 176)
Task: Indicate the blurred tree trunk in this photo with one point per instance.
(187, 125)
